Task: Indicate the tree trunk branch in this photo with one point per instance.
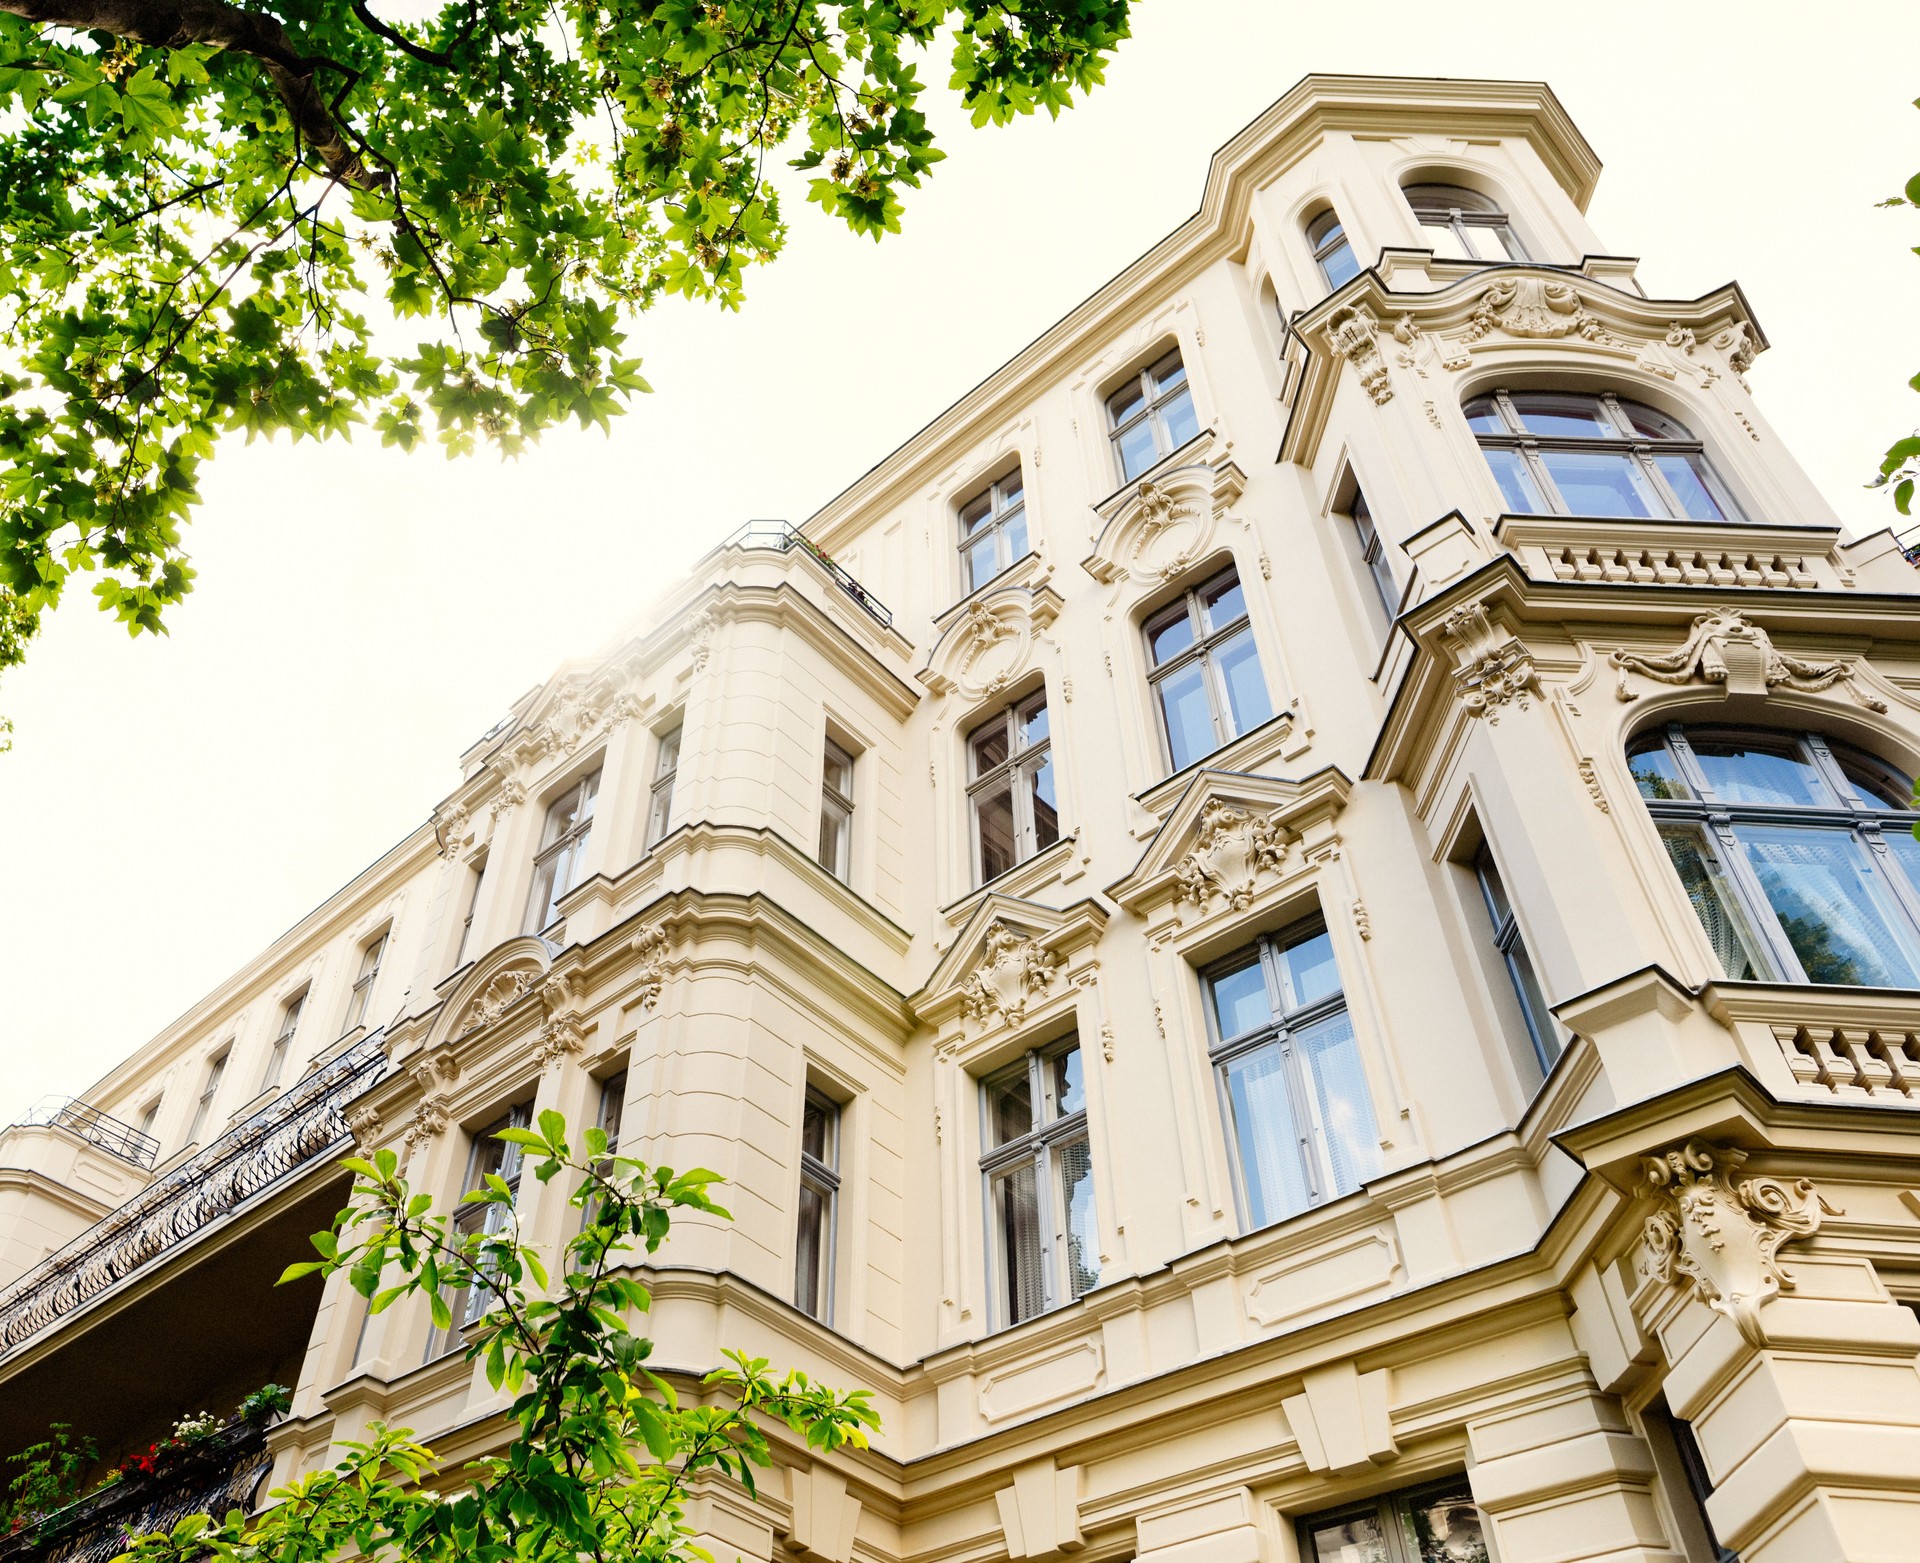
(173, 24)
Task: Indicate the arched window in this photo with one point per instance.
(1574, 454)
(1463, 224)
(1797, 852)
(1331, 252)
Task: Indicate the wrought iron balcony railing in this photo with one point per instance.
(297, 1128)
(95, 1127)
(779, 535)
(208, 1478)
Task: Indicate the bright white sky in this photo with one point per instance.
(173, 805)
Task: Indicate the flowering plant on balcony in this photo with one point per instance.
(604, 1455)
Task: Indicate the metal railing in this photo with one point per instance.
(95, 1127)
(207, 1478)
(300, 1126)
(782, 537)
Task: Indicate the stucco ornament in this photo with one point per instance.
(497, 997)
(1536, 309)
(991, 643)
(431, 1117)
(1725, 649)
(451, 829)
(1231, 848)
(563, 1031)
(365, 1125)
(650, 945)
(1161, 525)
(1350, 333)
(1014, 970)
(700, 630)
(1720, 1236)
(510, 796)
(1495, 670)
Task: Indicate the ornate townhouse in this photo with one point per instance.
(1297, 929)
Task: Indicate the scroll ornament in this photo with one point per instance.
(1014, 970)
(1534, 308)
(1350, 335)
(1493, 672)
(1725, 649)
(1231, 849)
(1720, 1236)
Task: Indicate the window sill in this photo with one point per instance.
(1266, 743)
(1045, 867)
(1031, 570)
(1185, 455)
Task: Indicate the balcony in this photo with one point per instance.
(301, 1127)
(102, 1130)
(220, 1474)
(1717, 555)
(782, 538)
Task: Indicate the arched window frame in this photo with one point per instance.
(1719, 845)
(1332, 250)
(1465, 215)
(1523, 469)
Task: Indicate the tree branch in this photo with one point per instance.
(393, 35)
(173, 24)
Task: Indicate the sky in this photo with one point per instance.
(170, 806)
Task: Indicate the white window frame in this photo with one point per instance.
(1543, 1031)
(1154, 406)
(1016, 771)
(371, 954)
(1327, 238)
(216, 1072)
(836, 808)
(556, 867)
(283, 1039)
(1006, 504)
(820, 1176)
(1462, 218)
(1205, 642)
(477, 868)
(469, 1304)
(666, 766)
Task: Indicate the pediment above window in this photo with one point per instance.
(989, 644)
(1164, 523)
(1012, 964)
(497, 983)
(1229, 840)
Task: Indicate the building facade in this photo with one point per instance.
(1297, 930)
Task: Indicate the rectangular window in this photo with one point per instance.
(1038, 1170)
(1543, 1031)
(1151, 416)
(203, 1109)
(1433, 1524)
(149, 1115)
(1293, 1091)
(660, 807)
(363, 982)
(1205, 670)
(819, 1194)
(1373, 554)
(1010, 785)
(836, 811)
(563, 841)
(490, 1156)
(283, 1040)
(993, 530)
(476, 876)
(1676, 1456)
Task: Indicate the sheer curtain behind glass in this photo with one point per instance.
(1038, 1173)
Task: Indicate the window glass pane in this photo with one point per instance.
(1705, 882)
(1010, 489)
(1069, 1089)
(1599, 483)
(1342, 1105)
(1358, 1539)
(837, 770)
(816, 1122)
(540, 902)
(810, 1252)
(1009, 1107)
(1167, 374)
(1564, 417)
(1541, 1025)
(1308, 970)
(1686, 478)
(1445, 1527)
(1878, 784)
(1240, 1000)
(1032, 719)
(1753, 769)
(1046, 816)
(989, 746)
(1188, 715)
(661, 810)
(1136, 448)
(1654, 425)
(1439, 237)
(1483, 416)
(1518, 492)
(1177, 416)
(1016, 1221)
(983, 561)
(1267, 1139)
(1170, 634)
(1338, 266)
(1906, 852)
(1239, 666)
(1073, 1166)
(1492, 886)
(977, 513)
(1654, 771)
(835, 828)
(1510, 246)
(1223, 603)
(669, 759)
(1835, 910)
(1126, 401)
(1014, 530)
(993, 821)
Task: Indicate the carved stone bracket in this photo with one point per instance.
(1014, 970)
(1350, 333)
(1724, 648)
(1230, 851)
(366, 1126)
(1719, 1236)
(433, 1070)
(651, 945)
(1495, 670)
(429, 1118)
(564, 1030)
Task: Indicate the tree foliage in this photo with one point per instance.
(302, 215)
(1900, 467)
(604, 1449)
